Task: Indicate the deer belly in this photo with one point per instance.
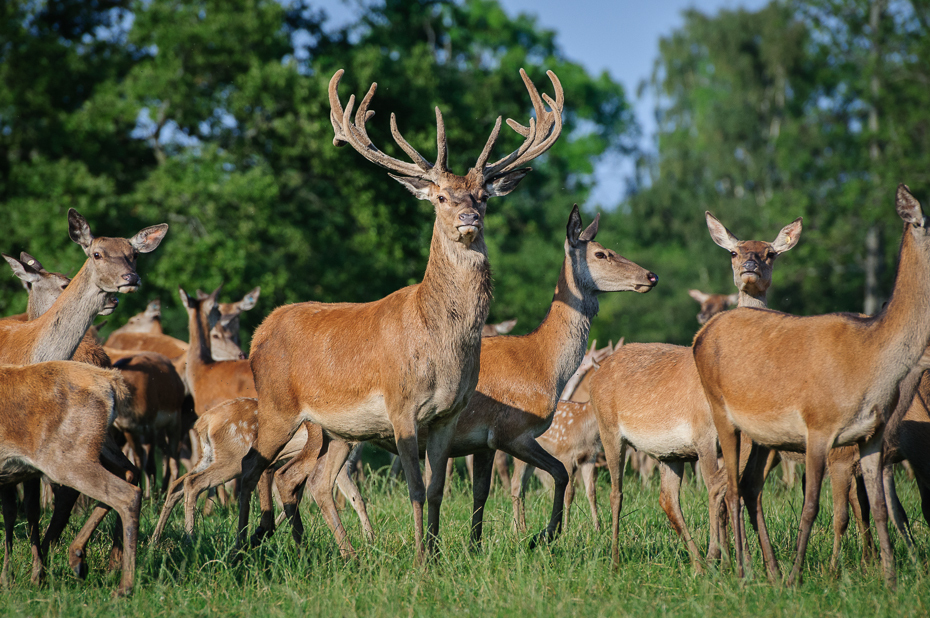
(364, 420)
(663, 442)
(776, 428)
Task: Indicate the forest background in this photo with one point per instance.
(212, 116)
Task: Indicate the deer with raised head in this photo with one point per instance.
(58, 332)
(712, 304)
(228, 325)
(648, 395)
(426, 337)
(148, 322)
(809, 384)
(226, 433)
(573, 439)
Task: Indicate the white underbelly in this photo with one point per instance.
(675, 442)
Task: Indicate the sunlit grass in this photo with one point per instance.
(572, 577)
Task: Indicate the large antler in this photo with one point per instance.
(543, 131)
(354, 134)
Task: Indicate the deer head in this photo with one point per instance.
(597, 268)
(712, 304)
(45, 287)
(459, 201)
(752, 260)
(112, 261)
(205, 309)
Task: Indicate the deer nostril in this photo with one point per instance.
(653, 278)
(468, 217)
(131, 278)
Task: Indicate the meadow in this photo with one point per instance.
(572, 577)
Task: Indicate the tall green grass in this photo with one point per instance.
(571, 577)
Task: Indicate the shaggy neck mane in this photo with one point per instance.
(454, 297)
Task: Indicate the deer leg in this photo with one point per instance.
(841, 482)
(589, 476)
(438, 445)
(670, 475)
(753, 485)
(481, 488)
(96, 482)
(859, 500)
(32, 489)
(528, 449)
(290, 480)
(870, 455)
(729, 438)
(350, 490)
(63, 503)
(332, 456)
(269, 440)
(500, 466)
(815, 460)
(174, 494)
(710, 473)
(521, 477)
(408, 450)
(898, 515)
(615, 449)
(569, 492)
(9, 500)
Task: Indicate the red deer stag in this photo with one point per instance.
(809, 384)
(648, 395)
(427, 336)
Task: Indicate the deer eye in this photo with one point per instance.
(733, 253)
(96, 255)
(442, 199)
(600, 255)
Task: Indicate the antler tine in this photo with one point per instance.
(542, 133)
(441, 146)
(483, 157)
(355, 134)
(421, 162)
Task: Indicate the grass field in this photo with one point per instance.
(572, 577)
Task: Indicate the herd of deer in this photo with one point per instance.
(844, 391)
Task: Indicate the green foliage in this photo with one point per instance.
(214, 117)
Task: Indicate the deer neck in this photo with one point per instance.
(454, 296)
(563, 335)
(198, 351)
(903, 328)
(754, 300)
(61, 328)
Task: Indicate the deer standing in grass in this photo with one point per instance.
(425, 338)
(648, 395)
(808, 384)
(57, 334)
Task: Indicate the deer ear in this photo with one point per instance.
(908, 207)
(186, 299)
(249, 300)
(153, 308)
(419, 187)
(505, 327)
(23, 271)
(573, 229)
(502, 185)
(698, 295)
(733, 299)
(78, 229)
(591, 231)
(720, 234)
(148, 239)
(28, 260)
(788, 236)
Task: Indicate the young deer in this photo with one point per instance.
(53, 421)
(648, 395)
(712, 304)
(226, 433)
(426, 338)
(811, 383)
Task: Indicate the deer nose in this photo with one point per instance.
(750, 265)
(469, 218)
(653, 278)
(132, 279)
